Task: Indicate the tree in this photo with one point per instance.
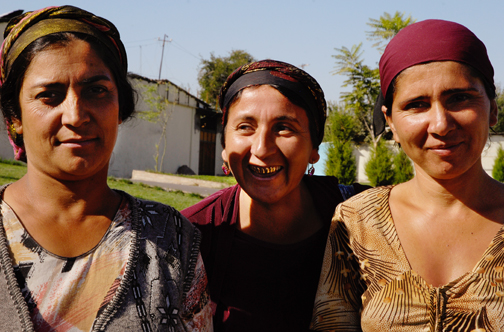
(159, 112)
(363, 80)
(386, 27)
(403, 169)
(498, 168)
(499, 127)
(214, 72)
(379, 168)
(340, 162)
(365, 84)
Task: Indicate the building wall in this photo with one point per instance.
(137, 139)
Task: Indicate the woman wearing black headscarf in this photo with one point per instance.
(428, 254)
(76, 255)
(263, 239)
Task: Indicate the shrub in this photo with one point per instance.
(498, 168)
(379, 168)
(403, 168)
(341, 162)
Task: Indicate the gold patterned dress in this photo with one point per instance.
(367, 283)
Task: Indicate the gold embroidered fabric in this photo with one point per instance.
(367, 283)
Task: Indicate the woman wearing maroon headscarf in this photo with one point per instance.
(428, 254)
(263, 239)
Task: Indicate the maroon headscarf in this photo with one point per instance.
(427, 41)
(296, 84)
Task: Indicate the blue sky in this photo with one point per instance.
(296, 31)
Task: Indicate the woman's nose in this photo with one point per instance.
(75, 113)
(441, 121)
(263, 144)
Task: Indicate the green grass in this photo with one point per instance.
(229, 180)
(177, 199)
(11, 171)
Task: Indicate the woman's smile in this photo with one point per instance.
(265, 171)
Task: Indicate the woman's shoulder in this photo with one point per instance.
(215, 209)
(371, 204)
(367, 194)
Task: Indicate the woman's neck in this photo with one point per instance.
(52, 197)
(290, 220)
(474, 189)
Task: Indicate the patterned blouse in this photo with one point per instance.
(367, 283)
(68, 294)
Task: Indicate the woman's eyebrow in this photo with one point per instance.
(458, 90)
(95, 79)
(287, 118)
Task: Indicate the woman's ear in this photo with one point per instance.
(390, 123)
(17, 125)
(224, 156)
(314, 156)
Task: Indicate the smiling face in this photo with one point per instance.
(267, 144)
(69, 112)
(441, 115)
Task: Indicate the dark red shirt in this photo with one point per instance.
(256, 285)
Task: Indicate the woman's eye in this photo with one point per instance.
(460, 97)
(97, 90)
(415, 105)
(244, 127)
(284, 129)
(50, 97)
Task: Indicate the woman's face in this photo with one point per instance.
(441, 115)
(69, 112)
(268, 144)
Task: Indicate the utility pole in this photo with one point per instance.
(165, 39)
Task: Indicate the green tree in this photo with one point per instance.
(498, 168)
(379, 168)
(499, 127)
(386, 27)
(365, 86)
(403, 169)
(159, 112)
(340, 161)
(364, 80)
(214, 72)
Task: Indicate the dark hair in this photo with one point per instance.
(293, 98)
(9, 93)
(389, 98)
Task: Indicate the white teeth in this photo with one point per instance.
(265, 170)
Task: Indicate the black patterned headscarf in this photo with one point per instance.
(24, 29)
(294, 83)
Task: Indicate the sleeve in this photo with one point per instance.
(196, 306)
(338, 298)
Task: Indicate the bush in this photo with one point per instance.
(339, 131)
(403, 168)
(379, 168)
(341, 162)
(498, 168)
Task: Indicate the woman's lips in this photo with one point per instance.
(444, 149)
(77, 142)
(265, 171)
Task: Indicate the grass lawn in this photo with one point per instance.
(11, 171)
